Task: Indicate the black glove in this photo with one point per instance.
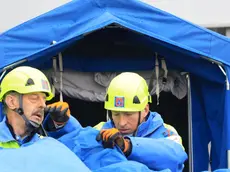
(59, 113)
(112, 136)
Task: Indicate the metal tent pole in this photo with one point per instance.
(11, 66)
(190, 146)
(227, 88)
(61, 75)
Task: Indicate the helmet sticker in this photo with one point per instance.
(119, 102)
(45, 84)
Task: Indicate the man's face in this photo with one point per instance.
(33, 106)
(126, 122)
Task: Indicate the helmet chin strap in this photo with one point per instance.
(31, 126)
(138, 123)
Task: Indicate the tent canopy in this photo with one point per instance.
(163, 32)
(118, 35)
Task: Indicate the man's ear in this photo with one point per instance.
(11, 101)
(146, 110)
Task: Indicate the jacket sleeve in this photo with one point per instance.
(71, 125)
(158, 154)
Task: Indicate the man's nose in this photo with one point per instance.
(42, 102)
(122, 120)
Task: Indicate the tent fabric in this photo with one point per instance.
(91, 86)
(208, 121)
(226, 132)
(118, 35)
(81, 85)
(175, 83)
(227, 100)
(69, 21)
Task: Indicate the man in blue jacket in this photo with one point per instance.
(24, 92)
(140, 134)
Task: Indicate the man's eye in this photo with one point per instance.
(34, 97)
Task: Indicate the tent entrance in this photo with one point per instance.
(115, 49)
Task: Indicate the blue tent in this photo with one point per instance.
(118, 35)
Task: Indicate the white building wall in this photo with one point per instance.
(15, 12)
(207, 13)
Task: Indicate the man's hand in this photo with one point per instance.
(112, 136)
(59, 113)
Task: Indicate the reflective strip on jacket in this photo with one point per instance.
(8, 141)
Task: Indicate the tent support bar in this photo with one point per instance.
(227, 81)
(61, 75)
(54, 74)
(190, 146)
(3, 71)
(60, 69)
(227, 88)
(13, 65)
(213, 61)
(221, 68)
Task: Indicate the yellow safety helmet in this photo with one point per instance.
(25, 80)
(127, 92)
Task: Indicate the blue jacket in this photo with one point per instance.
(155, 145)
(37, 154)
(71, 126)
(82, 141)
(8, 141)
(127, 166)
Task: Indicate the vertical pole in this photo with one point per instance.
(228, 151)
(190, 146)
(61, 75)
(227, 88)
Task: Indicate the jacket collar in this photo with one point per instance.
(153, 122)
(6, 135)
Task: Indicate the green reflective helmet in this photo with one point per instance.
(127, 92)
(25, 80)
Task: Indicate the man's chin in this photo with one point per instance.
(125, 133)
